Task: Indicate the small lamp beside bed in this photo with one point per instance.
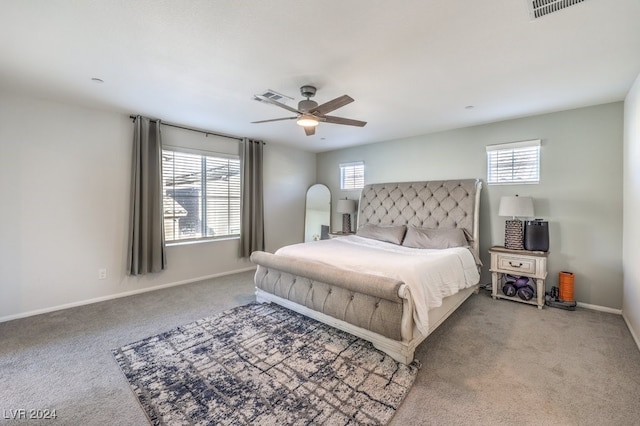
(346, 207)
(513, 230)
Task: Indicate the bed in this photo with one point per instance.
(377, 284)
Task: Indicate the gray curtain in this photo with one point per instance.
(252, 203)
(146, 224)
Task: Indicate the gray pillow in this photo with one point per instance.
(391, 234)
(435, 238)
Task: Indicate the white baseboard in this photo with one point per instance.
(633, 334)
(119, 295)
(600, 308)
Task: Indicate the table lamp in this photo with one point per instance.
(515, 207)
(346, 207)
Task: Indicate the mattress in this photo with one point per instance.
(431, 275)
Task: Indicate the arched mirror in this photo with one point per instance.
(317, 219)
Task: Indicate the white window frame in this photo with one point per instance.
(514, 163)
(203, 227)
(352, 176)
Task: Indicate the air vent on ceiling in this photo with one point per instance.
(274, 96)
(540, 8)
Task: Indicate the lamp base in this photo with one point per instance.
(513, 235)
(346, 223)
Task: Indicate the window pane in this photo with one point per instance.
(223, 196)
(514, 164)
(181, 187)
(352, 176)
(201, 196)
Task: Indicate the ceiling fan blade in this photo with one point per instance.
(341, 120)
(276, 103)
(310, 130)
(332, 105)
(274, 119)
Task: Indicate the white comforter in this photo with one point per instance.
(430, 274)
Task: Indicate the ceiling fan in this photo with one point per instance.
(309, 114)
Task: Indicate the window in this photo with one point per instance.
(352, 175)
(201, 195)
(517, 162)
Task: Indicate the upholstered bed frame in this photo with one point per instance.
(375, 308)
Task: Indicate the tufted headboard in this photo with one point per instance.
(430, 204)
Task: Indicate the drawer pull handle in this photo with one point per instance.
(514, 265)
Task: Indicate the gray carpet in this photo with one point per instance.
(492, 362)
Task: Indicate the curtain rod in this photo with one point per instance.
(164, 123)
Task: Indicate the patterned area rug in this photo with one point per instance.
(263, 364)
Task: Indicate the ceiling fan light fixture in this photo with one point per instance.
(307, 120)
(309, 114)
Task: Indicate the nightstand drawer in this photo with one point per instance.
(516, 264)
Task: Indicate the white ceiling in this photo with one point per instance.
(411, 66)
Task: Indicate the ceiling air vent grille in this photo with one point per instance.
(540, 8)
(274, 96)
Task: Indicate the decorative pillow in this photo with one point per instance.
(435, 238)
(391, 234)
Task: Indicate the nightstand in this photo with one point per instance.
(522, 263)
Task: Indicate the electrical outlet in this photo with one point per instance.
(102, 274)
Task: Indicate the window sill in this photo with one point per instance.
(200, 241)
(530, 182)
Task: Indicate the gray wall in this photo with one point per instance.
(580, 190)
(64, 182)
(64, 196)
(631, 241)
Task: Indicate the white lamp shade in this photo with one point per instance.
(307, 121)
(516, 206)
(346, 206)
